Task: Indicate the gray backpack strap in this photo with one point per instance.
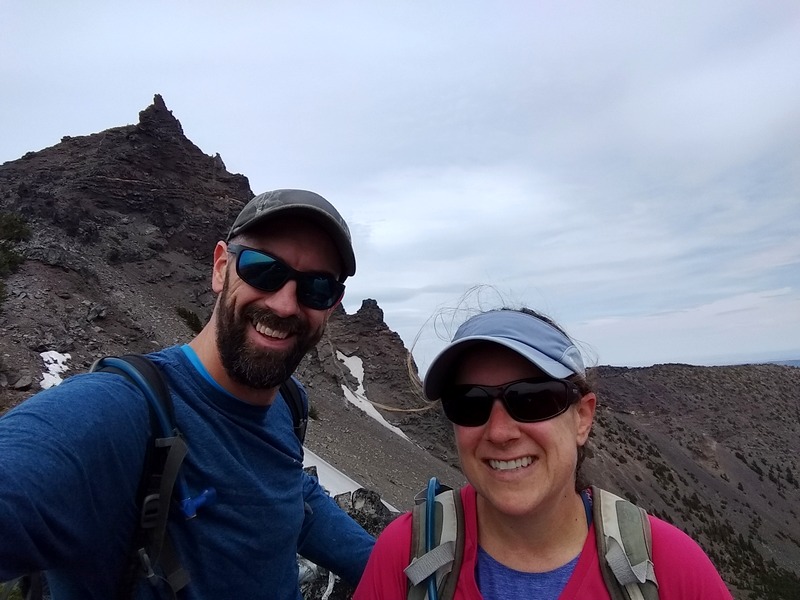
(426, 565)
(622, 531)
(445, 558)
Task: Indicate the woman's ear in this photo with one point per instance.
(584, 411)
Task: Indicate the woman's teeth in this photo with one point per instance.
(507, 465)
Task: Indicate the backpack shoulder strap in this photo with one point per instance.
(30, 586)
(443, 559)
(290, 392)
(622, 531)
(146, 375)
(166, 449)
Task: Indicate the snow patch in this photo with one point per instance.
(356, 367)
(55, 363)
(333, 480)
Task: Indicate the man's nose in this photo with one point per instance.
(283, 301)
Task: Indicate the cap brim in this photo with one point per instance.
(440, 369)
(317, 216)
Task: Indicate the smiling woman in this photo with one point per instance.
(513, 384)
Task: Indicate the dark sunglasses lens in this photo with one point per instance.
(529, 402)
(467, 405)
(319, 291)
(261, 270)
(525, 401)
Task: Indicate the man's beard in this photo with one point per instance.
(258, 368)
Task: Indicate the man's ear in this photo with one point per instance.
(338, 302)
(329, 312)
(221, 255)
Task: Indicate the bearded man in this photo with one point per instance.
(72, 456)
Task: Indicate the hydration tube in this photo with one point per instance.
(187, 504)
(430, 530)
(134, 374)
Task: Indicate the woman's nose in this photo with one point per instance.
(500, 427)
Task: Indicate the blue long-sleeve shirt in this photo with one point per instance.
(71, 459)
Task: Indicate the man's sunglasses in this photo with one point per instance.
(269, 274)
(526, 400)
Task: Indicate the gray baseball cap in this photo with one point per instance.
(527, 335)
(302, 204)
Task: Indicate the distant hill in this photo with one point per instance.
(123, 223)
(787, 363)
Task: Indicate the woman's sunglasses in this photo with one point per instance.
(269, 274)
(526, 400)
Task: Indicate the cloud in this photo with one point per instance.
(748, 327)
(630, 167)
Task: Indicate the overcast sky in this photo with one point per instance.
(633, 170)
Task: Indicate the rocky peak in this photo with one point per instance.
(370, 312)
(157, 119)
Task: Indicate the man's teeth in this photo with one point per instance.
(264, 330)
(507, 465)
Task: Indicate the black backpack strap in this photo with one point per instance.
(290, 392)
(35, 586)
(151, 548)
(152, 377)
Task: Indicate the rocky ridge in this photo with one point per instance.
(123, 226)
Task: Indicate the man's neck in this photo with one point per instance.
(205, 346)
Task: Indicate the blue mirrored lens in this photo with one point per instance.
(319, 291)
(262, 271)
(269, 274)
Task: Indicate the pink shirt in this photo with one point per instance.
(683, 570)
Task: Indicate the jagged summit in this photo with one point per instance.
(158, 118)
(150, 173)
(370, 310)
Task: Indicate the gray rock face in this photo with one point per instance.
(367, 508)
